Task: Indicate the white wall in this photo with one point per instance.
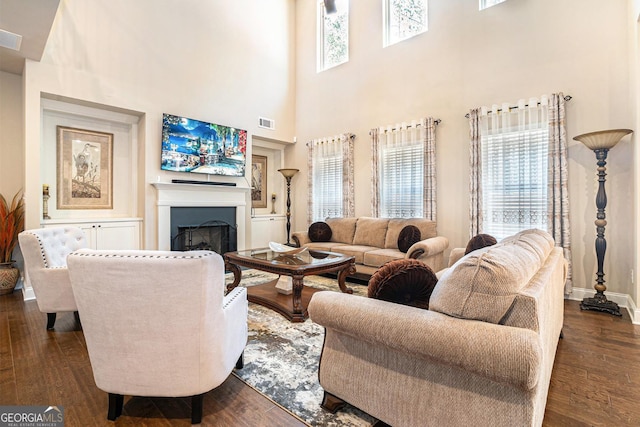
(468, 58)
(224, 62)
(634, 71)
(11, 146)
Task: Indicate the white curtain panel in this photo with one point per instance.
(514, 166)
(330, 178)
(403, 155)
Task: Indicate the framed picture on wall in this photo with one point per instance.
(258, 181)
(84, 169)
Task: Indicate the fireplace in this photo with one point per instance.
(190, 205)
(204, 228)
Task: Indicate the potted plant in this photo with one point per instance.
(11, 224)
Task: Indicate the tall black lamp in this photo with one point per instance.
(601, 142)
(288, 174)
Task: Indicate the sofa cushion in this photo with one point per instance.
(319, 232)
(342, 229)
(479, 241)
(379, 257)
(409, 235)
(371, 231)
(427, 230)
(356, 251)
(483, 284)
(325, 246)
(405, 281)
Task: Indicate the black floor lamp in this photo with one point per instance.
(601, 142)
(288, 174)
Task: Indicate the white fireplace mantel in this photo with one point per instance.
(196, 195)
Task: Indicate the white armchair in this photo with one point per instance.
(157, 323)
(45, 252)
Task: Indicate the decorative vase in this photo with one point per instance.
(8, 277)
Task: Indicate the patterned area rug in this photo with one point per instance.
(281, 358)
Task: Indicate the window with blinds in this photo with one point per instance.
(514, 180)
(327, 184)
(402, 179)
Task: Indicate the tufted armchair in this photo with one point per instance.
(157, 323)
(45, 252)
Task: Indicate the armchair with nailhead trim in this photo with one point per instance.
(158, 323)
(45, 252)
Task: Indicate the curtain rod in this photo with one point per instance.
(515, 107)
(351, 136)
(436, 121)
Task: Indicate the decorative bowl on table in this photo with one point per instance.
(284, 249)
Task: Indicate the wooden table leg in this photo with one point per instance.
(237, 274)
(297, 296)
(342, 277)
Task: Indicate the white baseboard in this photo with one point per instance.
(623, 300)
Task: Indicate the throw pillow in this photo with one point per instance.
(480, 241)
(403, 281)
(319, 232)
(409, 235)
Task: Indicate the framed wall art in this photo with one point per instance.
(258, 181)
(84, 169)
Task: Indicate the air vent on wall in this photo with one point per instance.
(266, 123)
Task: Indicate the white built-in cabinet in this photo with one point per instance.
(268, 228)
(106, 234)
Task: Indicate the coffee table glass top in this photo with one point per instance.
(308, 257)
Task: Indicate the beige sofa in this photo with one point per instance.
(374, 241)
(481, 355)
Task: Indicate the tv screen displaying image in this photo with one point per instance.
(194, 146)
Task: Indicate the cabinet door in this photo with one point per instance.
(90, 234)
(118, 235)
(265, 230)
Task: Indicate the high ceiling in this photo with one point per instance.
(32, 19)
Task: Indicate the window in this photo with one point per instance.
(514, 153)
(403, 19)
(331, 173)
(401, 170)
(484, 4)
(333, 35)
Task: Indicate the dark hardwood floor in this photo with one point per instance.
(595, 382)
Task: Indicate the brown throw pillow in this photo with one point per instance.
(480, 241)
(319, 232)
(409, 235)
(403, 281)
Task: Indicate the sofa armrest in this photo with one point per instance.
(428, 247)
(501, 353)
(300, 238)
(455, 255)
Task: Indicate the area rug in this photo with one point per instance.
(281, 358)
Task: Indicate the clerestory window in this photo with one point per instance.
(333, 34)
(403, 19)
(484, 4)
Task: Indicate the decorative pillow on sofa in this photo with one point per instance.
(319, 232)
(409, 235)
(480, 241)
(403, 281)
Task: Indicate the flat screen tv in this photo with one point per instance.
(194, 146)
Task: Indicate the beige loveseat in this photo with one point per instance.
(374, 241)
(481, 355)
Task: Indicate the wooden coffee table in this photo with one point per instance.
(306, 263)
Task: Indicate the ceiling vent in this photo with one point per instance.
(266, 123)
(10, 40)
